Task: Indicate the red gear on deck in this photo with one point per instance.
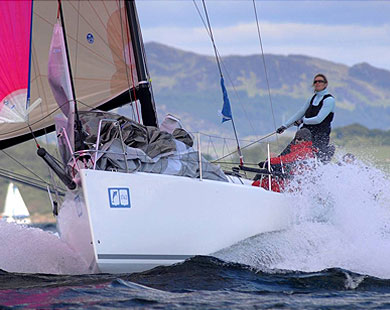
(300, 151)
(276, 185)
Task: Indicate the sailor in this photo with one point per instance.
(301, 149)
(316, 115)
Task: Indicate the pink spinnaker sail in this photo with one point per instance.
(15, 32)
(101, 56)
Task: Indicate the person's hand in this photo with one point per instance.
(281, 129)
(263, 164)
(298, 122)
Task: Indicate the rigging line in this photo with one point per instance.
(212, 37)
(264, 63)
(224, 91)
(219, 137)
(246, 146)
(266, 75)
(77, 42)
(31, 182)
(227, 72)
(126, 66)
(22, 177)
(215, 149)
(27, 183)
(236, 163)
(25, 167)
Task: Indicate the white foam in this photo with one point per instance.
(31, 250)
(341, 219)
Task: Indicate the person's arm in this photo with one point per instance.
(298, 115)
(327, 107)
(286, 159)
(299, 153)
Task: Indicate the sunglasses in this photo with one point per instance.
(299, 140)
(319, 81)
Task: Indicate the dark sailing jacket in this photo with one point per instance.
(313, 111)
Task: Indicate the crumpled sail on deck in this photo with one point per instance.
(15, 33)
(101, 55)
(15, 209)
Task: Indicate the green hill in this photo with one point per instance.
(187, 85)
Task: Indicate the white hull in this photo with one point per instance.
(165, 219)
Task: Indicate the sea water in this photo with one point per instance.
(335, 254)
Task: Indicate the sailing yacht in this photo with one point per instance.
(137, 196)
(15, 210)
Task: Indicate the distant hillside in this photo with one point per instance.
(359, 135)
(187, 85)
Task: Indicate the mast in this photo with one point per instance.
(145, 96)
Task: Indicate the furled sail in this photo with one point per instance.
(101, 58)
(58, 72)
(61, 86)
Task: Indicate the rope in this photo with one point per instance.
(23, 166)
(266, 74)
(244, 147)
(264, 63)
(224, 91)
(212, 37)
(227, 72)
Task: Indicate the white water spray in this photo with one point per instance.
(31, 250)
(341, 219)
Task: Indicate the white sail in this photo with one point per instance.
(15, 210)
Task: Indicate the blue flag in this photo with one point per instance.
(226, 109)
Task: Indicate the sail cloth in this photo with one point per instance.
(58, 72)
(15, 209)
(148, 149)
(61, 86)
(101, 55)
(15, 32)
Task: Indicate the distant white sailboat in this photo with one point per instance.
(15, 209)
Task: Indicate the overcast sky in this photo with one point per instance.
(347, 32)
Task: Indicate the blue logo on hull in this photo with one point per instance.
(119, 197)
